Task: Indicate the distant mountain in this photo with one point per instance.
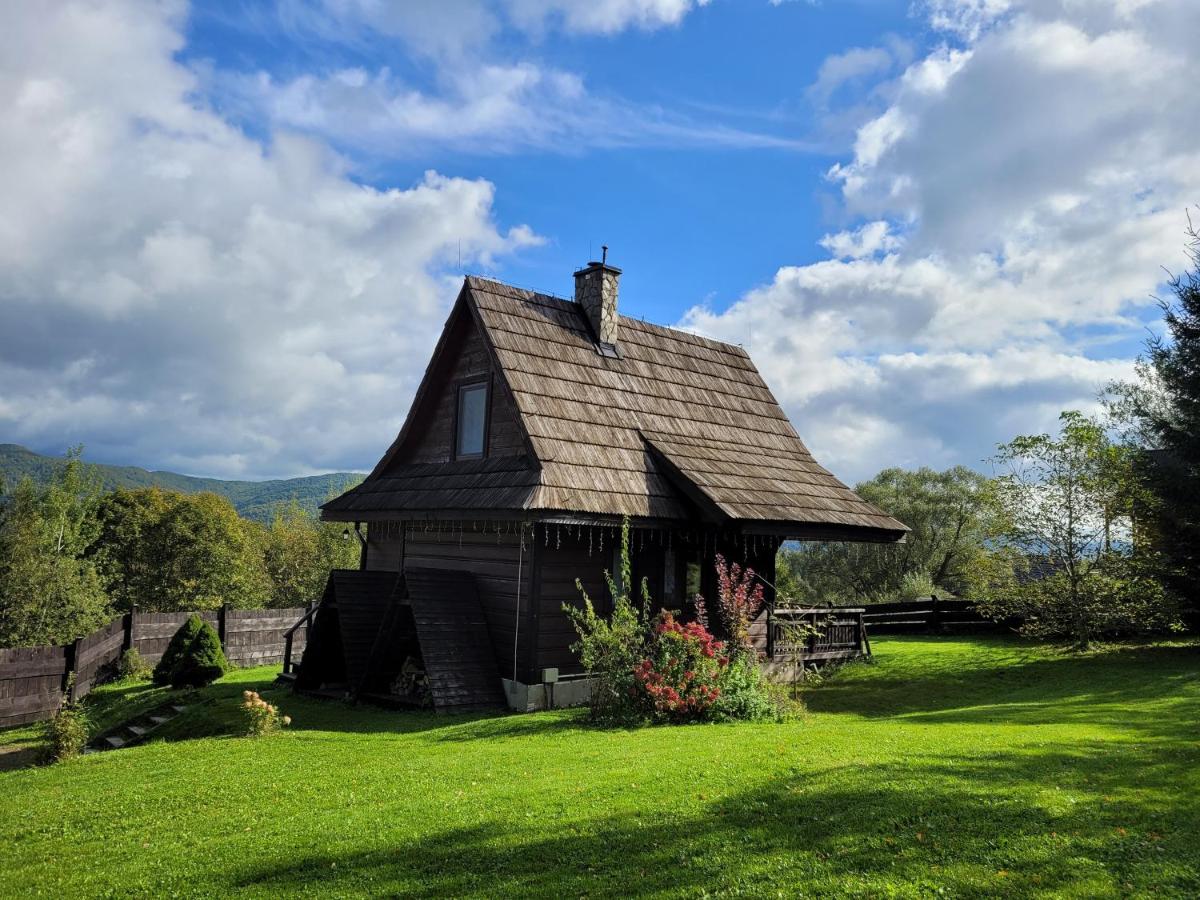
(252, 499)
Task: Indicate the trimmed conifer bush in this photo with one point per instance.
(180, 642)
(193, 658)
(204, 662)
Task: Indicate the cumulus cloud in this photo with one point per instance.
(1018, 197)
(173, 290)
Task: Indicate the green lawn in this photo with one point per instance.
(959, 767)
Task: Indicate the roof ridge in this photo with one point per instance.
(479, 282)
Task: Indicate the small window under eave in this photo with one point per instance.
(470, 432)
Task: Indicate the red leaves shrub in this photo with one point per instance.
(680, 678)
(739, 601)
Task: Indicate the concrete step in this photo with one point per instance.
(159, 720)
(179, 709)
(139, 730)
(115, 742)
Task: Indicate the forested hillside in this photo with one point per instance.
(252, 499)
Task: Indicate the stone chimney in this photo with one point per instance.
(596, 292)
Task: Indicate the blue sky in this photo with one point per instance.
(687, 223)
(230, 232)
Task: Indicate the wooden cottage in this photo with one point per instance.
(539, 425)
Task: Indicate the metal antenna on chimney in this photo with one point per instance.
(604, 254)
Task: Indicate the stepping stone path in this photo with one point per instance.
(136, 729)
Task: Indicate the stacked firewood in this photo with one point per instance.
(412, 682)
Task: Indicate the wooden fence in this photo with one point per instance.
(929, 617)
(33, 680)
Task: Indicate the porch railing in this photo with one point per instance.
(817, 633)
(289, 667)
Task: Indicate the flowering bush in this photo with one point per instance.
(739, 601)
(659, 669)
(680, 677)
(261, 717)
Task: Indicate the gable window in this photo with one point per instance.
(471, 425)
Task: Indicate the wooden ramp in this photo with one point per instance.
(343, 634)
(456, 646)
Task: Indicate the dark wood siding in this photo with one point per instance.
(433, 436)
(493, 558)
(586, 553)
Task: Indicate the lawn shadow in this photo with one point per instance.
(965, 826)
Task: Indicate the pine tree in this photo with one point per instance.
(204, 662)
(1169, 408)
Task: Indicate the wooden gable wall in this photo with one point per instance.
(432, 438)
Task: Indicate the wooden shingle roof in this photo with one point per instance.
(675, 424)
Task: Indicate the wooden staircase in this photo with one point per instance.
(136, 729)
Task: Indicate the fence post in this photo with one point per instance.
(935, 616)
(72, 655)
(221, 625)
(127, 643)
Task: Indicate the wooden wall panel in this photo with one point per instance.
(254, 637)
(434, 433)
(572, 554)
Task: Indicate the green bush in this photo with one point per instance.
(916, 586)
(69, 730)
(131, 666)
(193, 658)
(747, 696)
(611, 647)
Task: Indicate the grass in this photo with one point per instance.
(959, 767)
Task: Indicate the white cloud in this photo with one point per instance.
(1038, 172)
(227, 306)
(853, 65)
(448, 28)
(498, 98)
(600, 16)
(482, 108)
(867, 240)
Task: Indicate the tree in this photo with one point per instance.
(298, 552)
(211, 555)
(130, 549)
(1164, 406)
(166, 551)
(1065, 561)
(50, 592)
(949, 518)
